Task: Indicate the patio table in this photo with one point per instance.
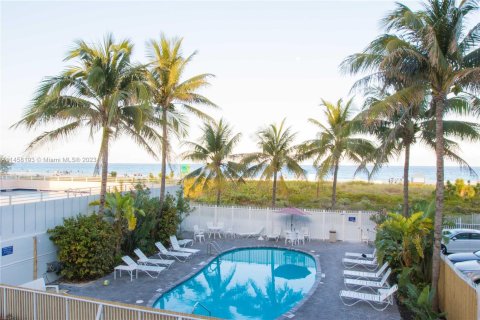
(214, 230)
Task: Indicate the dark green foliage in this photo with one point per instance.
(86, 247)
(417, 298)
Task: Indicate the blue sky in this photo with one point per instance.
(271, 59)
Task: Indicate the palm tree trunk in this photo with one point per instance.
(104, 175)
(334, 189)
(164, 155)
(219, 191)
(274, 190)
(439, 103)
(406, 168)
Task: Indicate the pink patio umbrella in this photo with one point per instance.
(293, 212)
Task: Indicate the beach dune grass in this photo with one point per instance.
(353, 195)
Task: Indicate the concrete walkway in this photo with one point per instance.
(324, 303)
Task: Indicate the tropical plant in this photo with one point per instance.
(103, 92)
(335, 142)
(215, 150)
(277, 152)
(398, 127)
(403, 242)
(86, 247)
(429, 48)
(5, 164)
(171, 95)
(121, 212)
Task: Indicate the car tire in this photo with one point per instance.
(444, 249)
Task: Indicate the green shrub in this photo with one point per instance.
(86, 247)
(155, 224)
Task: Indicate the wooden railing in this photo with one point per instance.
(21, 303)
(458, 296)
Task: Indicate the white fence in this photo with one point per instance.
(349, 225)
(23, 224)
(464, 222)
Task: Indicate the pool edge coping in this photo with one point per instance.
(298, 305)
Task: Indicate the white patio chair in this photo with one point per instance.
(306, 233)
(368, 283)
(143, 259)
(290, 237)
(366, 275)
(39, 284)
(379, 301)
(176, 246)
(229, 233)
(198, 234)
(361, 255)
(133, 266)
(367, 264)
(300, 237)
(180, 256)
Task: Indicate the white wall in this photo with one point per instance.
(20, 223)
(319, 223)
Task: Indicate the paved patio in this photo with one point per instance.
(324, 303)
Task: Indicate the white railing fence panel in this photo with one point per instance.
(349, 225)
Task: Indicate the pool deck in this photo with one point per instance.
(323, 303)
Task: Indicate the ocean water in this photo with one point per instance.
(346, 173)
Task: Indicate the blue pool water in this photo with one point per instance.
(252, 283)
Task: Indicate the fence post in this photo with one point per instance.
(34, 306)
(10, 200)
(343, 225)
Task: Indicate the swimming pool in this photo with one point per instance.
(250, 283)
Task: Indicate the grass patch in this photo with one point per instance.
(354, 195)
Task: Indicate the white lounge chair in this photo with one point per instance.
(379, 301)
(366, 275)
(133, 266)
(39, 284)
(368, 264)
(176, 246)
(252, 234)
(180, 256)
(362, 255)
(274, 236)
(368, 283)
(143, 259)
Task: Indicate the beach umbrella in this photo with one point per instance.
(291, 271)
(293, 212)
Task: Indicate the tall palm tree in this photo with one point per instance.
(277, 152)
(399, 126)
(432, 47)
(103, 92)
(172, 95)
(215, 150)
(335, 142)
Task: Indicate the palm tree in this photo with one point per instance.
(103, 92)
(400, 126)
(277, 152)
(173, 96)
(432, 47)
(214, 149)
(335, 142)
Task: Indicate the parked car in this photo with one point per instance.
(461, 240)
(471, 269)
(464, 256)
